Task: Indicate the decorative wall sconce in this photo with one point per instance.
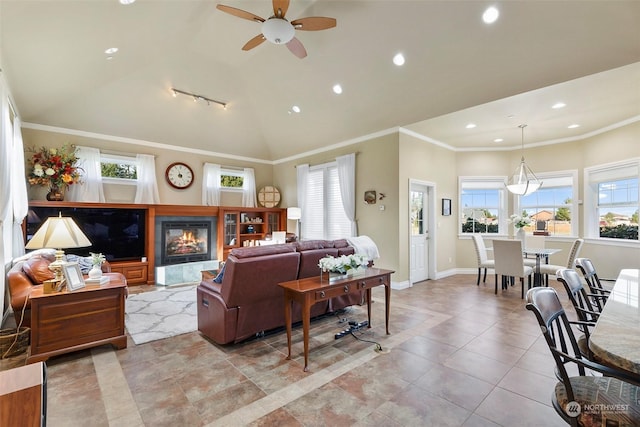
(370, 197)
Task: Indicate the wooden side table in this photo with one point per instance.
(69, 321)
(312, 290)
(23, 396)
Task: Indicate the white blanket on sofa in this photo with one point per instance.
(365, 246)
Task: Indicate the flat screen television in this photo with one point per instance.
(117, 233)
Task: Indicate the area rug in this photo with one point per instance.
(164, 313)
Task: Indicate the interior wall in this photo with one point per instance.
(376, 169)
(424, 161)
(164, 157)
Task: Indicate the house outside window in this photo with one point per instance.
(483, 205)
(612, 200)
(553, 208)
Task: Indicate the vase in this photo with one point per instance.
(520, 235)
(55, 193)
(95, 272)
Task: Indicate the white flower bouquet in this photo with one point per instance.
(520, 221)
(342, 264)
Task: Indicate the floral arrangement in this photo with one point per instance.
(54, 166)
(520, 221)
(343, 263)
(97, 259)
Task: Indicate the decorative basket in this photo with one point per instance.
(14, 341)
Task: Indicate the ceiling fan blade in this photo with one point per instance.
(240, 13)
(313, 23)
(280, 8)
(257, 40)
(295, 46)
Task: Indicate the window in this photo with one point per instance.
(483, 205)
(231, 179)
(324, 216)
(120, 169)
(552, 207)
(612, 200)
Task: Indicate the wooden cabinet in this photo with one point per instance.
(136, 272)
(238, 227)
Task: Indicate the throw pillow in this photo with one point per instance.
(218, 278)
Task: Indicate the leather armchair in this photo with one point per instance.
(24, 275)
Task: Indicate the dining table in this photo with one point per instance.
(615, 340)
(540, 254)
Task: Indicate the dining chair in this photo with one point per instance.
(585, 399)
(593, 281)
(507, 256)
(481, 254)
(548, 269)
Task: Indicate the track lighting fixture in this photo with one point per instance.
(197, 98)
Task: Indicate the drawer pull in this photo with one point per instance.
(205, 302)
(346, 288)
(322, 294)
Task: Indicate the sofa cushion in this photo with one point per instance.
(309, 245)
(37, 268)
(255, 251)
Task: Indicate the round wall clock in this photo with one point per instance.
(269, 196)
(179, 175)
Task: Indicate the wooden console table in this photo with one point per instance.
(312, 290)
(69, 321)
(23, 396)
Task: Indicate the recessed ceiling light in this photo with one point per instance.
(337, 89)
(125, 2)
(511, 116)
(573, 126)
(109, 58)
(498, 140)
(558, 105)
(295, 109)
(398, 59)
(111, 50)
(490, 15)
(470, 126)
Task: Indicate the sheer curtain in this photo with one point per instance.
(5, 177)
(147, 187)
(347, 181)
(302, 173)
(18, 189)
(211, 185)
(90, 190)
(249, 189)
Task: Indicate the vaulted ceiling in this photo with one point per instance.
(458, 70)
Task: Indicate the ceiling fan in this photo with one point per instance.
(278, 30)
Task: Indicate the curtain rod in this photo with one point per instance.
(327, 161)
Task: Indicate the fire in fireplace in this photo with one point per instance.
(185, 242)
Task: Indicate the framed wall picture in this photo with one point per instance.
(73, 276)
(446, 207)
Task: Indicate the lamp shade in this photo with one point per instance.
(58, 233)
(294, 213)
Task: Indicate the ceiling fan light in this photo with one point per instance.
(277, 30)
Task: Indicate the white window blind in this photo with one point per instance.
(324, 216)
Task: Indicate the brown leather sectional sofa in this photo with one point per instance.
(249, 300)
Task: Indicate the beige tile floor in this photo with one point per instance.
(458, 355)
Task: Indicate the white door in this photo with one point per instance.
(419, 230)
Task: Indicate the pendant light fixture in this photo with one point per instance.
(524, 181)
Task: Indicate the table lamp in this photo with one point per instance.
(295, 213)
(58, 233)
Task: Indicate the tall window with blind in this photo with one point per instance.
(552, 208)
(323, 214)
(482, 205)
(612, 200)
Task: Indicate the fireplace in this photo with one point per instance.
(185, 242)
